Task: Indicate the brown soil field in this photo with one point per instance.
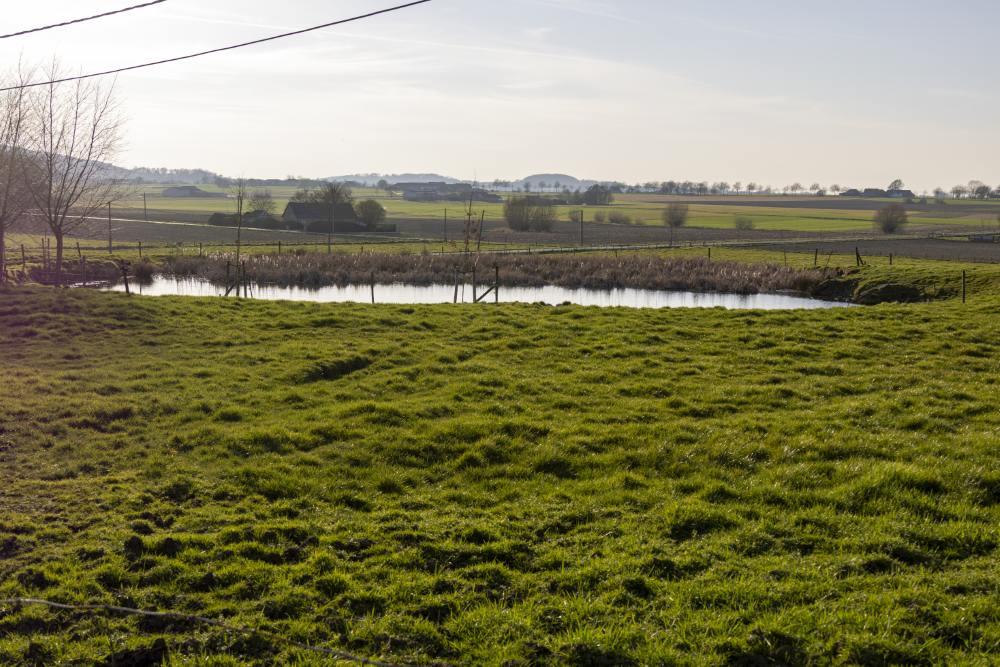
(914, 248)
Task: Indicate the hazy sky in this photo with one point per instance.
(857, 92)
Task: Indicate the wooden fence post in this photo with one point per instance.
(125, 277)
(474, 295)
(140, 249)
(964, 287)
(456, 286)
(373, 288)
(496, 288)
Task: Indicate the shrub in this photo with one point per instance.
(743, 222)
(600, 217)
(575, 216)
(891, 218)
(529, 214)
(144, 271)
(617, 218)
(675, 215)
(371, 213)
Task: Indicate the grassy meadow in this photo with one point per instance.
(502, 485)
(822, 216)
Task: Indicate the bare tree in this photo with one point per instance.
(675, 216)
(262, 200)
(891, 218)
(75, 134)
(240, 193)
(14, 198)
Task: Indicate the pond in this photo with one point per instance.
(437, 294)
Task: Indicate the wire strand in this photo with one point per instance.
(83, 20)
(219, 50)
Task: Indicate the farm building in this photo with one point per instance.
(901, 194)
(852, 193)
(444, 192)
(316, 218)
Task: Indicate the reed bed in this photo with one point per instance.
(570, 271)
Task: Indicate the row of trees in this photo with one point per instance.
(973, 190)
(56, 144)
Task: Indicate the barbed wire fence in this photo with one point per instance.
(189, 618)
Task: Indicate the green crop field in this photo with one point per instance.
(640, 209)
(501, 485)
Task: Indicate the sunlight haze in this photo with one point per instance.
(856, 93)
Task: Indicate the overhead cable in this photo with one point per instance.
(219, 50)
(83, 20)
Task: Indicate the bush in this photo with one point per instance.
(529, 214)
(575, 216)
(891, 218)
(675, 215)
(371, 213)
(743, 222)
(617, 218)
(600, 217)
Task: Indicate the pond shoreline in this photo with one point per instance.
(467, 293)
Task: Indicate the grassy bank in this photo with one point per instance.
(500, 485)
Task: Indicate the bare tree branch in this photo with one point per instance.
(75, 134)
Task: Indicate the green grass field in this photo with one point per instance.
(641, 209)
(504, 485)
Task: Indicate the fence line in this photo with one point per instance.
(340, 655)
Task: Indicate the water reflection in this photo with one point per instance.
(436, 294)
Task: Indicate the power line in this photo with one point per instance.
(83, 20)
(220, 50)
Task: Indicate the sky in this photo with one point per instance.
(854, 92)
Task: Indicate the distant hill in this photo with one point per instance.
(392, 179)
(191, 192)
(550, 180)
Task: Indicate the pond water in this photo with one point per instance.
(436, 294)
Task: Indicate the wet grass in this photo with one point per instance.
(501, 485)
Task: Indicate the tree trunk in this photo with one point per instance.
(59, 257)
